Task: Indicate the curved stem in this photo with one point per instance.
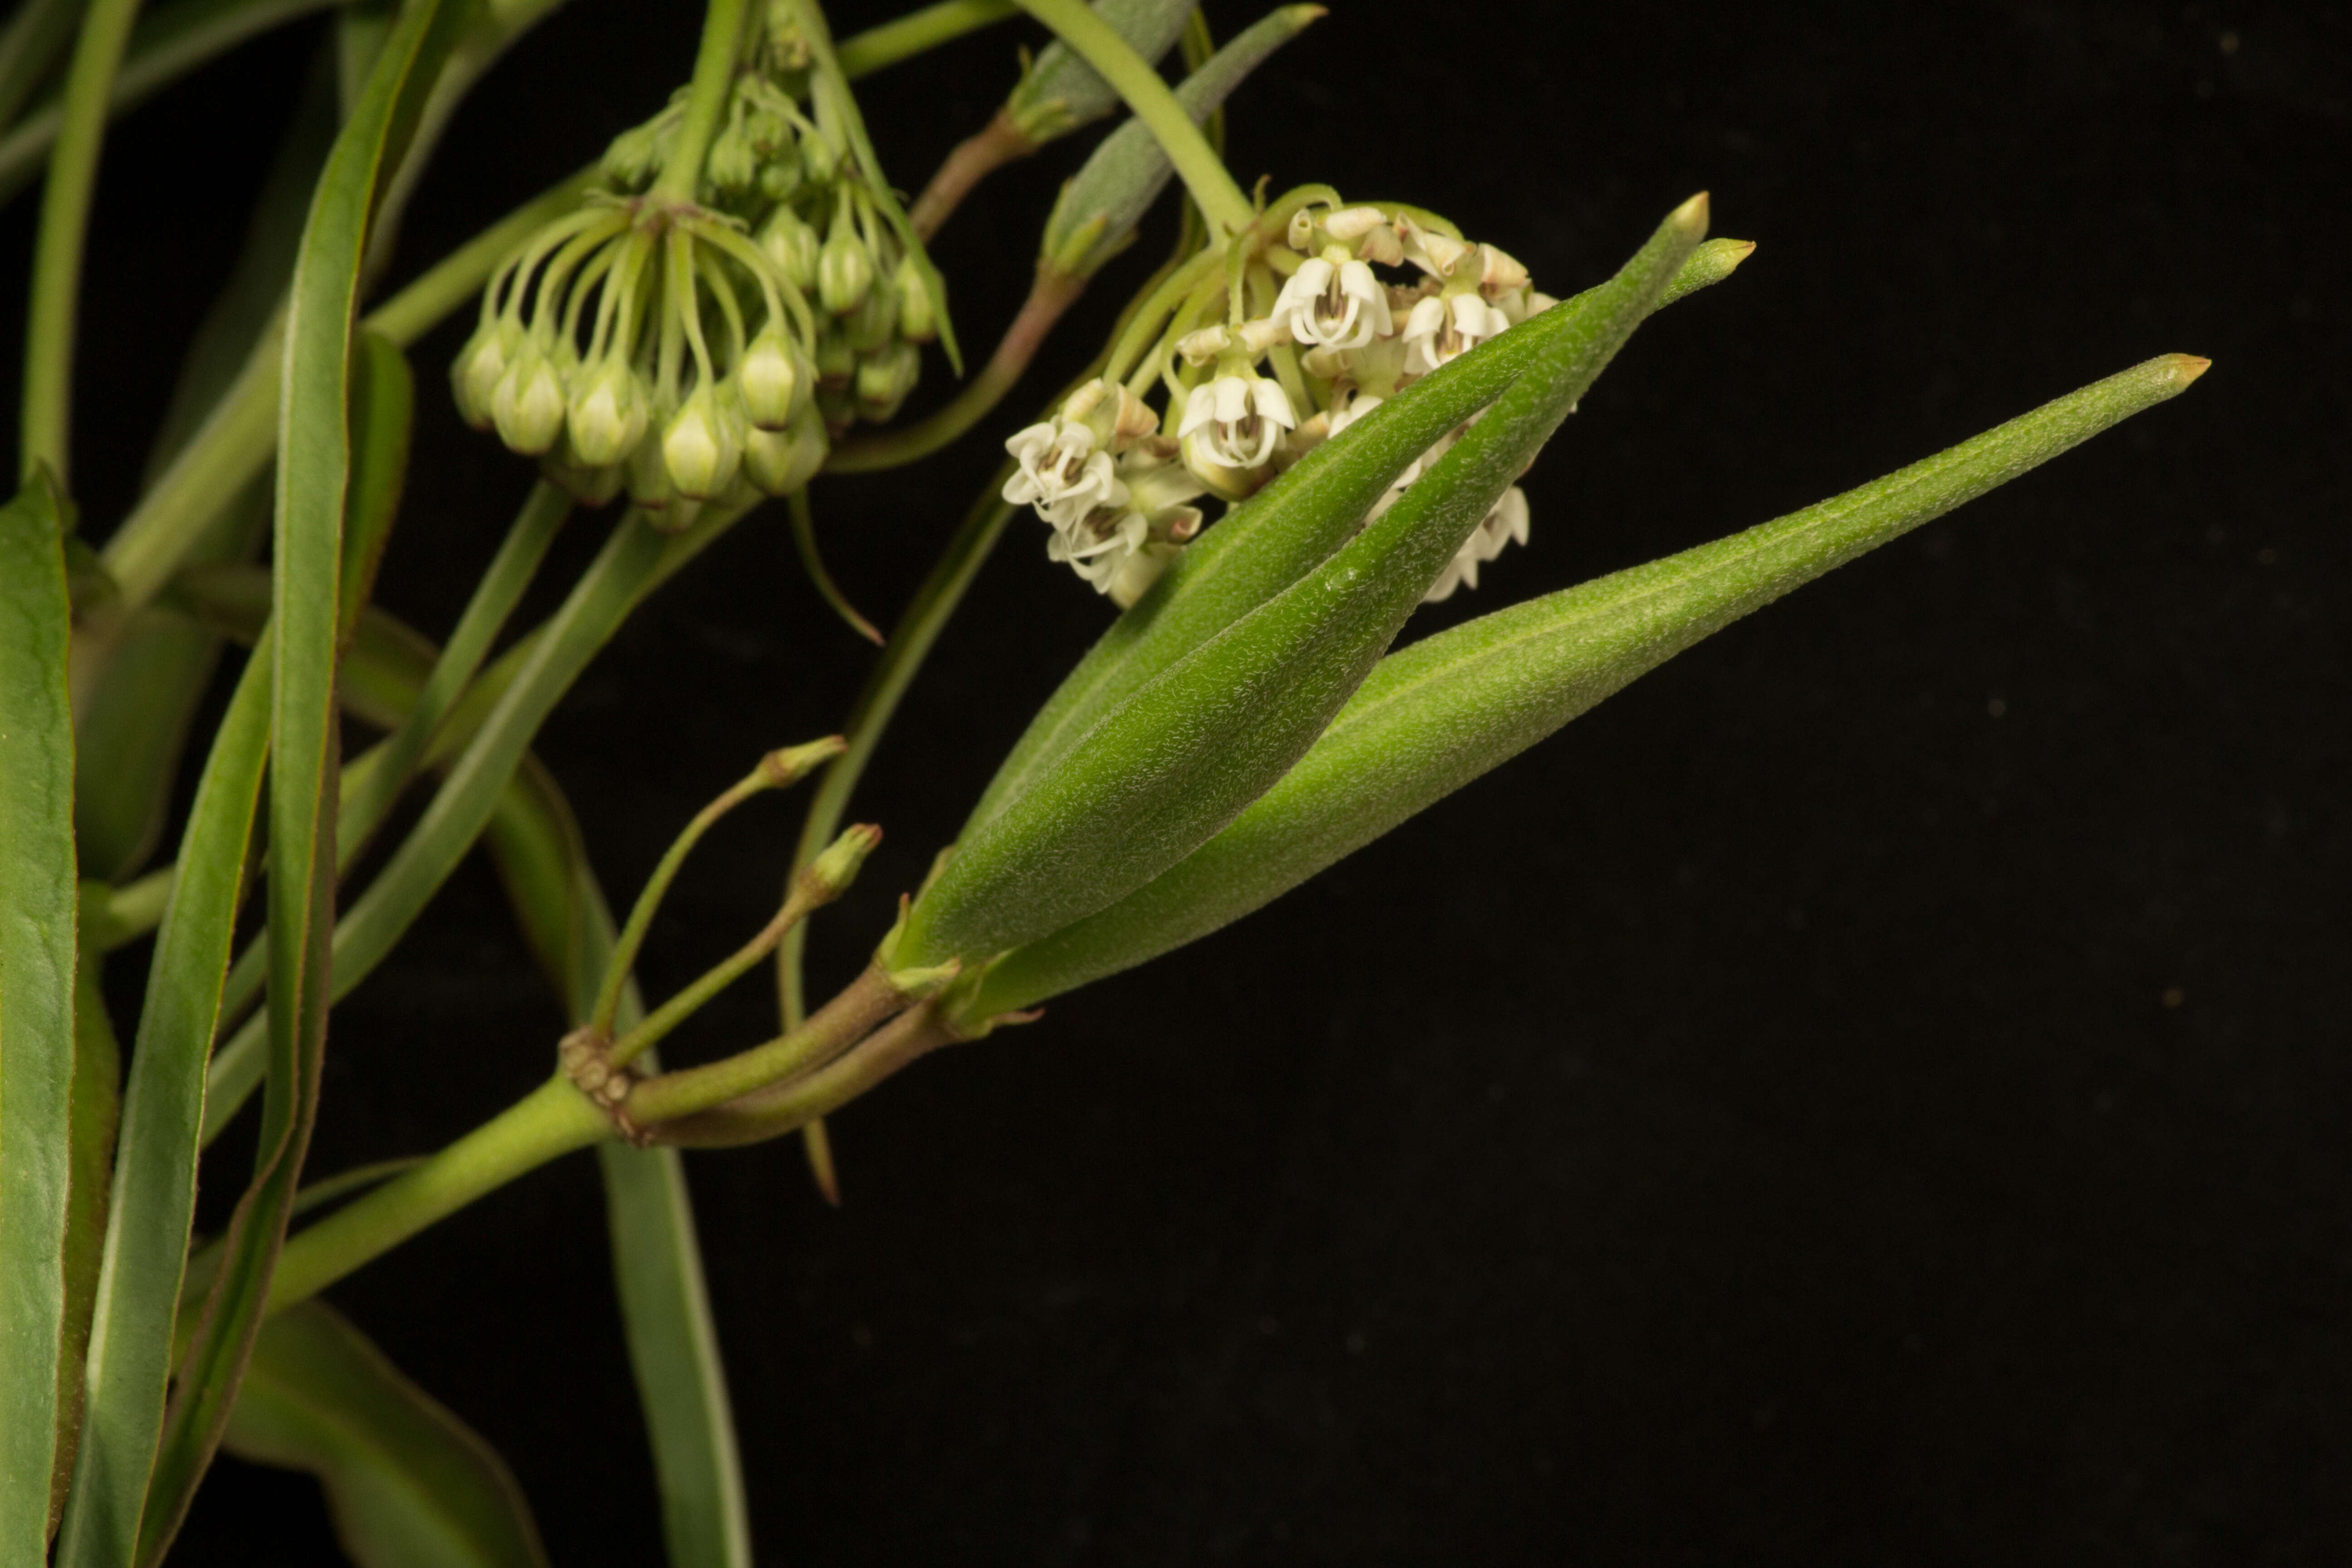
(799, 1102)
(65, 222)
(1196, 163)
(1053, 293)
(833, 1029)
(879, 47)
(705, 103)
(977, 156)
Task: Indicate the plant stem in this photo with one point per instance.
(1197, 164)
(65, 222)
(553, 1119)
(917, 31)
(714, 80)
(799, 1102)
(977, 156)
(460, 276)
(832, 1028)
(624, 957)
(1053, 293)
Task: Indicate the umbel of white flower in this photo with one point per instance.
(1114, 480)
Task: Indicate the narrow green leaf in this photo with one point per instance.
(97, 1103)
(1265, 544)
(1058, 92)
(314, 495)
(37, 913)
(1095, 217)
(384, 402)
(1438, 714)
(36, 37)
(1165, 771)
(408, 1484)
(155, 1165)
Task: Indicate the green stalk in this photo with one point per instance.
(36, 35)
(714, 80)
(552, 1120)
(912, 34)
(65, 223)
(1197, 164)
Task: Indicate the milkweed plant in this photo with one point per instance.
(1309, 421)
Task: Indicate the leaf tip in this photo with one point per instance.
(1691, 217)
(2183, 369)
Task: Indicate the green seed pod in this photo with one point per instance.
(701, 448)
(792, 243)
(845, 272)
(885, 379)
(781, 461)
(528, 406)
(607, 416)
(770, 380)
(918, 320)
(480, 365)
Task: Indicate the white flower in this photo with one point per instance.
(1507, 523)
(1121, 549)
(1233, 421)
(1062, 474)
(1339, 306)
(1441, 327)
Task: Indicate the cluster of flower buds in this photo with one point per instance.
(1112, 478)
(711, 350)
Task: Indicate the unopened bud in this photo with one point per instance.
(789, 765)
(480, 365)
(608, 415)
(781, 461)
(1500, 273)
(919, 319)
(885, 379)
(874, 321)
(528, 406)
(828, 876)
(845, 272)
(1201, 347)
(770, 380)
(701, 448)
(793, 246)
(836, 362)
(649, 484)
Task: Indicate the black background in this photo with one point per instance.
(1874, 1092)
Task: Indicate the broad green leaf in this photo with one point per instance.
(1267, 544)
(314, 493)
(1095, 214)
(1438, 714)
(1161, 774)
(37, 913)
(153, 1202)
(97, 1104)
(408, 1485)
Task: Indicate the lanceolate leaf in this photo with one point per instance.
(1290, 527)
(156, 1165)
(1161, 774)
(384, 401)
(1440, 713)
(408, 1484)
(97, 1104)
(38, 905)
(314, 490)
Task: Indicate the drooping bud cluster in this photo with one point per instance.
(711, 350)
(1314, 338)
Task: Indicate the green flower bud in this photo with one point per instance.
(875, 323)
(838, 405)
(781, 461)
(836, 362)
(821, 159)
(779, 173)
(918, 320)
(770, 381)
(828, 876)
(731, 166)
(480, 365)
(701, 448)
(792, 243)
(883, 379)
(649, 475)
(528, 406)
(634, 155)
(844, 272)
(607, 416)
(590, 484)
